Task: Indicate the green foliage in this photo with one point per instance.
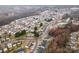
(35, 28)
(41, 24)
(36, 34)
(23, 32)
(18, 34)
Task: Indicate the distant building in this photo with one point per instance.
(74, 40)
(65, 23)
(49, 19)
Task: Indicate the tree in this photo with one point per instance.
(23, 32)
(41, 24)
(17, 34)
(9, 34)
(35, 28)
(36, 34)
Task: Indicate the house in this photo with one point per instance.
(5, 49)
(30, 36)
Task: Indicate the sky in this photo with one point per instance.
(39, 2)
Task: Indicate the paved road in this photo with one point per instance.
(44, 34)
(35, 46)
(37, 43)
